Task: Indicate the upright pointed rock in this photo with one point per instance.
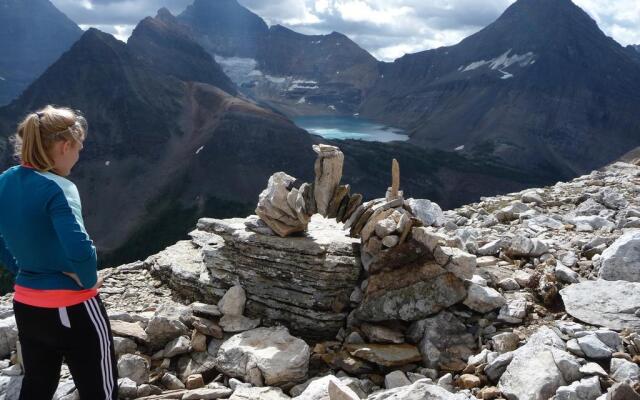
(328, 169)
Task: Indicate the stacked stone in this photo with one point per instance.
(287, 209)
(381, 224)
(282, 207)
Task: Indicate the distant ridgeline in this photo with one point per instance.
(193, 114)
(28, 46)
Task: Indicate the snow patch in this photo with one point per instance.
(502, 62)
(506, 75)
(302, 84)
(459, 148)
(332, 107)
(2, 78)
(239, 69)
(356, 114)
(275, 79)
(302, 100)
(199, 149)
(107, 163)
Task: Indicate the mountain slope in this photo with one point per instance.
(634, 51)
(33, 34)
(541, 87)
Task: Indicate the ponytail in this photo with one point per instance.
(38, 132)
(33, 150)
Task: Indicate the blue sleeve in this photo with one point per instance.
(6, 258)
(77, 245)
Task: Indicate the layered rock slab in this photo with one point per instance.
(612, 304)
(303, 282)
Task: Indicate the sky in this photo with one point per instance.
(386, 28)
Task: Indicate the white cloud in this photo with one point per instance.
(619, 19)
(386, 28)
(391, 28)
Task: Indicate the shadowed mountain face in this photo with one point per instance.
(634, 51)
(542, 87)
(226, 28)
(169, 46)
(294, 73)
(33, 34)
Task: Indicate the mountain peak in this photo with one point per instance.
(229, 13)
(540, 26)
(164, 14)
(168, 46)
(228, 25)
(93, 35)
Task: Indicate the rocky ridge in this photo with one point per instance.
(530, 295)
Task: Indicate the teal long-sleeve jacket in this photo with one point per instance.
(42, 232)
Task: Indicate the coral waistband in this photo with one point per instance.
(51, 298)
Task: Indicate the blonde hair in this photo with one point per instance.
(40, 130)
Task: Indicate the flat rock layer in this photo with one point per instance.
(303, 282)
(612, 304)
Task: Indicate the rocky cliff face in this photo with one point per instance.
(33, 34)
(548, 306)
(171, 48)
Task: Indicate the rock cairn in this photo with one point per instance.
(287, 209)
(530, 295)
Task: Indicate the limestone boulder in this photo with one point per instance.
(443, 341)
(428, 212)
(621, 260)
(610, 304)
(166, 325)
(419, 390)
(483, 299)
(8, 336)
(410, 293)
(272, 353)
(533, 373)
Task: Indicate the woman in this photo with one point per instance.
(43, 242)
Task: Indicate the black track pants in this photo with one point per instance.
(79, 334)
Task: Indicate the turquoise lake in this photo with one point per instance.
(340, 128)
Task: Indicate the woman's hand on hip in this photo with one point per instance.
(73, 276)
(99, 283)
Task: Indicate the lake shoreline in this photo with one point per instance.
(349, 127)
